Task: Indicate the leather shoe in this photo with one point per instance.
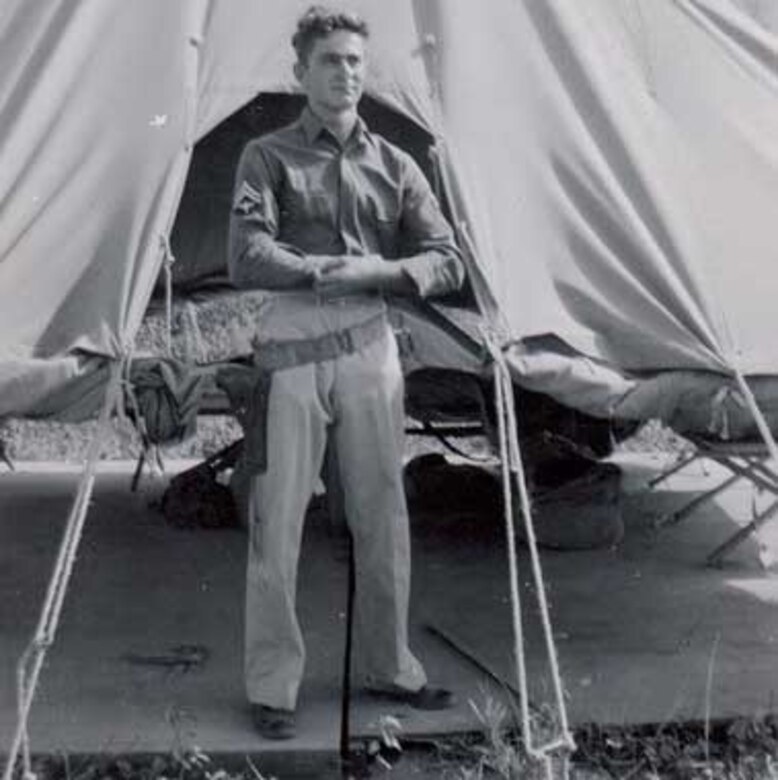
(426, 698)
(273, 723)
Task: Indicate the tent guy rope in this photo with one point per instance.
(510, 456)
(168, 259)
(756, 412)
(513, 473)
(31, 662)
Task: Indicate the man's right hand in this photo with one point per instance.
(323, 264)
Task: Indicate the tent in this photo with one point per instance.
(602, 192)
(611, 167)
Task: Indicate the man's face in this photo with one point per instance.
(334, 75)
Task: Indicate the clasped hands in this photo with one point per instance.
(341, 275)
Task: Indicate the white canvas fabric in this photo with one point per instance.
(764, 12)
(614, 163)
(93, 112)
(620, 164)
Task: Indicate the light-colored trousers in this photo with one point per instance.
(357, 399)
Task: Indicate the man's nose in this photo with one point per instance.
(346, 67)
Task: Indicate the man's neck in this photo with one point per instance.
(340, 124)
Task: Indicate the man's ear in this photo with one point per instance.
(299, 70)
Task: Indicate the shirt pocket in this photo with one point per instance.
(385, 218)
(319, 206)
(307, 206)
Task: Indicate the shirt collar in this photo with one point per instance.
(313, 127)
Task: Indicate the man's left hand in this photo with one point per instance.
(356, 274)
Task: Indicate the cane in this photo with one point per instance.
(338, 524)
(346, 759)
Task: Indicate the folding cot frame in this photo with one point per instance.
(744, 460)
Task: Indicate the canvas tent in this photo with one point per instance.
(762, 11)
(613, 164)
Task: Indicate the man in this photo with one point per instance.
(332, 217)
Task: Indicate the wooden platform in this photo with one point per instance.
(639, 628)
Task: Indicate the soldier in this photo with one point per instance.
(332, 218)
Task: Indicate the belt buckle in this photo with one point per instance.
(344, 340)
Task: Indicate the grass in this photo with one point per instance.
(501, 752)
(191, 765)
(742, 749)
(739, 749)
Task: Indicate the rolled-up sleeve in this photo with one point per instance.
(430, 256)
(256, 259)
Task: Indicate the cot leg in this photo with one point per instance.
(672, 518)
(714, 559)
(680, 463)
(769, 476)
(138, 471)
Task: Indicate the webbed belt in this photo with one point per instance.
(249, 393)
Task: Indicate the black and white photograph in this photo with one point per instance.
(388, 389)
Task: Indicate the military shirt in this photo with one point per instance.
(300, 193)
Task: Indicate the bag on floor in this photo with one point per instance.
(196, 499)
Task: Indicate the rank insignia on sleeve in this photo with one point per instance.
(248, 201)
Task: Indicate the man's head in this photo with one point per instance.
(330, 63)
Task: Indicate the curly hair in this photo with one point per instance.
(318, 22)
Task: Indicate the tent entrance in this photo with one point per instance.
(199, 235)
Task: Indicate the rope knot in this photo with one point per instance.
(167, 251)
(42, 643)
(719, 424)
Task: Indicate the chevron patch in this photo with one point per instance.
(248, 201)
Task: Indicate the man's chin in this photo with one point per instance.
(345, 97)
(343, 105)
